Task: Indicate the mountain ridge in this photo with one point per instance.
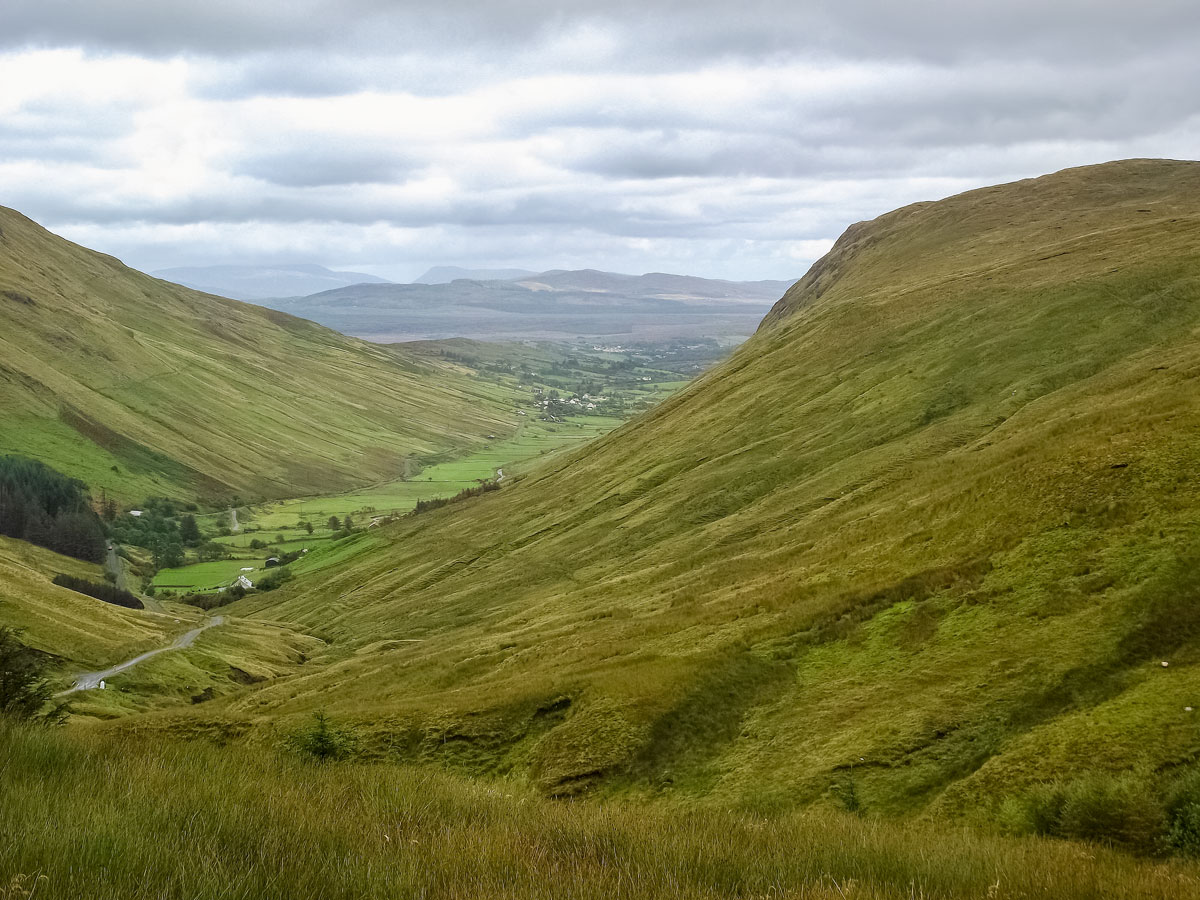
(557, 304)
(446, 274)
(263, 282)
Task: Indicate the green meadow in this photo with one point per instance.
(281, 524)
(207, 576)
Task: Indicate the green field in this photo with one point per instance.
(281, 524)
(533, 440)
(207, 576)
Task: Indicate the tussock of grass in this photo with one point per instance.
(197, 821)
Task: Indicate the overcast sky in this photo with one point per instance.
(727, 139)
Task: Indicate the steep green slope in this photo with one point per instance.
(931, 532)
(139, 386)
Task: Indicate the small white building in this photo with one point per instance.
(135, 512)
(244, 582)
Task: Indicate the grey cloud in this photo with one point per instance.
(288, 72)
(716, 155)
(607, 209)
(950, 96)
(323, 165)
(57, 131)
(929, 29)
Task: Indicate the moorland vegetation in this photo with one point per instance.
(902, 599)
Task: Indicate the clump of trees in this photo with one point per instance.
(45, 507)
(213, 601)
(158, 531)
(189, 531)
(211, 550)
(437, 502)
(106, 592)
(25, 689)
(273, 580)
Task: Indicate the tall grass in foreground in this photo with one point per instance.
(106, 818)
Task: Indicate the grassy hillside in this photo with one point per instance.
(139, 386)
(923, 543)
(85, 631)
(83, 634)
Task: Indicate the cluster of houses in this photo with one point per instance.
(586, 402)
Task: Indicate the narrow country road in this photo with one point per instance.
(233, 522)
(112, 563)
(89, 680)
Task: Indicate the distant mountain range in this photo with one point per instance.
(549, 305)
(261, 282)
(446, 274)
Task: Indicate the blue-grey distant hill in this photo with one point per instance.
(446, 274)
(263, 282)
(550, 305)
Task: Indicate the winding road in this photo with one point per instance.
(90, 680)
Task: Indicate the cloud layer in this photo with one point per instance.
(710, 138)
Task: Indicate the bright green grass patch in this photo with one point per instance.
(207, 576)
